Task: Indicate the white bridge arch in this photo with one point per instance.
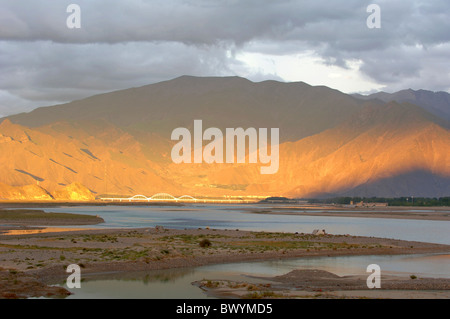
(156, 197)
(166, 197)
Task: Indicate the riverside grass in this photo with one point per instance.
(40, 217)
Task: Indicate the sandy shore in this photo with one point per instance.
(419, 213)
(30, 261)
(314, 283)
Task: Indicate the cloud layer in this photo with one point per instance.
(136, 42)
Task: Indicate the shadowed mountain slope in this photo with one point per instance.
(298, 109)
(331, 143)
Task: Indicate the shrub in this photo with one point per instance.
(205, 243)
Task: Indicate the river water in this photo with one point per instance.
(240, 217)
(176, 283)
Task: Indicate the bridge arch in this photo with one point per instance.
(139, 197)
(162, 196)
(186, 197)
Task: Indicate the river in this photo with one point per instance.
(176, 283)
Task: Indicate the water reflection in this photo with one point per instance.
(155, 284)
(177, 283)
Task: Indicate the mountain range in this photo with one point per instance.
(331, 143)
(437, 103)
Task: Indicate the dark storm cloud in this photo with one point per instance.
(130, 43)
(191, 22)
(46, 71)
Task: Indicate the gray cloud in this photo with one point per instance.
(44, 70)
(136, 42)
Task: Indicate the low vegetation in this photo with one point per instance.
(399, 201)
(204, 243)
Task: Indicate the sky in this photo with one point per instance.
(131, 43)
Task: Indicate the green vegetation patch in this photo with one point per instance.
(31, 214)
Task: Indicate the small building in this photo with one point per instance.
(362, 204)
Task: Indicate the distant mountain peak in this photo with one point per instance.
(437, 103)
